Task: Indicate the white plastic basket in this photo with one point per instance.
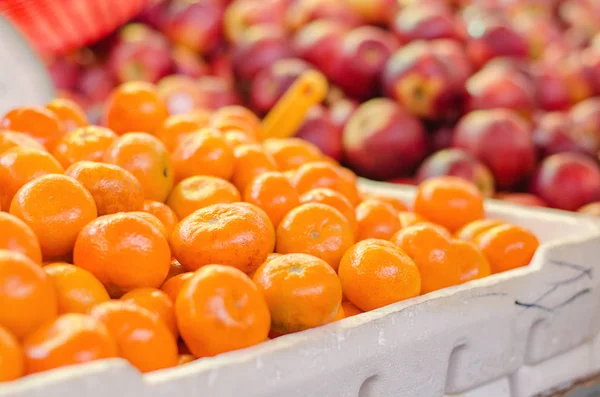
(514, 334)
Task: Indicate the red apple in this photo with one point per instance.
(364, 53)
(301, 12)
(457, 162)
(64, 73)
(590, 57)
(377, 12)
(403, 181)
(195, 24)
(527, 199)
(260, 46)
(383, 141)
(440, 138)
(455, 57)
(591, 209)
(586, 124)
(180, 93)
(500, 87)
(221, 66)
(567, 181)
(490, 38)
(216, 92)
(320, 43)
(242, 14)
(340, 112)
(153, 14)
(273, 81)
(96, 83)
(188, 63)
(421, 81)
(319, 130)
(502, 140)
(555, 132)
(425, 22)
(140, 53)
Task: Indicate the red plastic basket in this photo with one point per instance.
(57, 26)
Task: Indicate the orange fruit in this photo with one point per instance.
(376, 273)
(237, 118)
(20, 165)
(449, 201)
(395, 202)
(12, 364)
(197, 192)
(141, 337)
(250, 161)
(408, 218)
(203, 153)
(323, 174)
(77, 289)
(85, 143)
(274, 194)
(16, 236)
(153, 220)
(68, 112)
(10, 139)
(237, 138)
(147, 159)
(124, 251)
(350, 310)
(69, 339)
(176, 127)
(433, 252)
(56, 208)
(163, 212)
(241, 319)
(376, 219)
(471, 230)
(473, 264)
(507, 247)
(173, 285)
(340, 315)
(135, 106)
(113, 188)
(315, 229)
(302, 291)
(239, 235)
(27, 297)
(333, 199)
(291, 153)
(157, 302)
(37, 122)
(175, 269)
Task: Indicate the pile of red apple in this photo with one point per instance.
(501, 92)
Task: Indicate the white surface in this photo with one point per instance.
(472, 340)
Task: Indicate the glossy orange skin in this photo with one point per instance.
(376, 273)
(113, 188)
(449, 201)
(333, 199)
(507, 247)
(163, 212)
(77, 290)
(72, 338)
(56, 208)
(141, 337)
(250, 161)
(176, 127)
(10, 139)
(147, 159)
(471, 230)
(239, 235)
(153, 220)
(237, 138)
(398, 204)
(135, 106)
(408, 218)
(68, 112)
(12, 365)
(315, 229)
(85, 143)
(197, 192)
(376, 219)
(124, 251)
(38, 122)
(16, 236)
(240, 319)
(203, 153)
(323, 174)
(291, 153)
(157, 302)
(27, 296)
(433, 252)
(350, 310)
(175, 269)
(302, 292)
(473, 265)
(173, 285)
(274, 194)
(237, 118)
(20, 165)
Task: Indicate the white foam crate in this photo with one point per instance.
(514, 334)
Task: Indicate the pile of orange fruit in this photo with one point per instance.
(162, 239)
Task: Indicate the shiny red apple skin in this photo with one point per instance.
(555, 132)
(320, 43)
(318, 129)
(494, 38)
(425, 22)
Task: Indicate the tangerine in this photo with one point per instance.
(84, 143)
(197, 192)
(273, 193)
